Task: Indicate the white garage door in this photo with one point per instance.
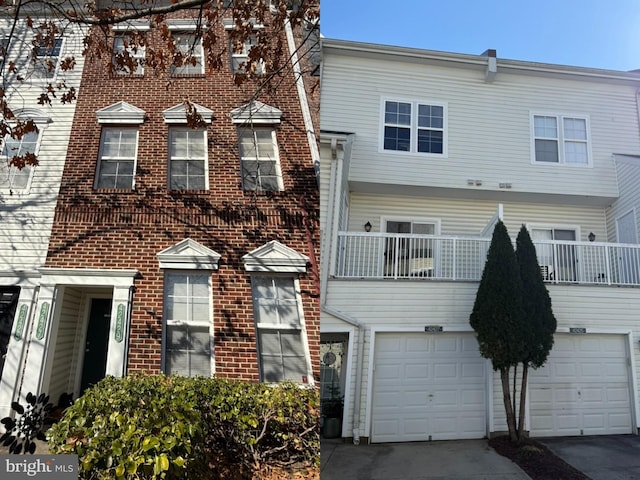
(428, 387)
(583, 389)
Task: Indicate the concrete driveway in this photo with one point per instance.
(447, 460)
(605, 457)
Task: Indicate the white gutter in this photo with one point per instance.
(304, 104)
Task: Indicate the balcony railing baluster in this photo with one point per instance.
(441, 257)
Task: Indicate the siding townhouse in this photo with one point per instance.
(421, 153)
(28, 196)
(190, 251)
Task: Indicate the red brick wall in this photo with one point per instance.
(126, 229)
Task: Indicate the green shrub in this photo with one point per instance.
(134, 427)
(151, 427)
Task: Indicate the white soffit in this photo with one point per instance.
(275, 257)
(189, 255)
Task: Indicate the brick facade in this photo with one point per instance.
(125, 229)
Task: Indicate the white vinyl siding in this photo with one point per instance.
(26, 225)
(628, 172)
(488, 126)
(278, 316)
(187, 337)
(187, 159)
(259, 159)
(192, 59)
(560, 139)
(117, 162)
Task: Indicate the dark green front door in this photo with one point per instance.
(95, 353)
(8, 304)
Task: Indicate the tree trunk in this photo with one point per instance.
(523, 399)
(506, 397)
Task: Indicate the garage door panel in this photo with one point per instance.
(441, 379)
(595, 401)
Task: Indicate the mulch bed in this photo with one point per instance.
(536, 460)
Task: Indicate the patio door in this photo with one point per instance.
(97, 342)
(409, 256)
(628, 259)
(8, 304)
(558, 262)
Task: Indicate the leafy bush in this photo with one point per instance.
(152, 427)
(134, 427)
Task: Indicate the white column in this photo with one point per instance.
(118, 332)
(39, 341)
(16, 350)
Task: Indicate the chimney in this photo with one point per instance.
(492, 65)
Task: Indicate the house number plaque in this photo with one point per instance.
(42, 321)
(120, 323)
(577, 330)
(22, 318)
(433, 328)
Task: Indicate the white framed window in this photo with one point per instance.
(11, 177)
(278, 315)
(189, 45)
(188, 339)
(560, 139)
(259, 159)
(46, 59)
(129, 57)
(4, 47)
(117, 160)
(414, 126)
(188, 159)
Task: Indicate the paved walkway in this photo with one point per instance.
(447, 460)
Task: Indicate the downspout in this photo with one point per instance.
(304, 104)
(332, 218)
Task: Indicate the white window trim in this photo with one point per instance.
(166, 322)
(396, 218)
(413, 127)
(54, 74)
(140, 56)
(189, 31)
(278, 169)
(42, 121)
(561, 140)
(271, 326)
(135, 158)
(205, 159)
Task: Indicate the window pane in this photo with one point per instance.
(430, 116)
(575, 128)
(545, 127)
(396, 138)
(547, 151)
(397, 113)
(576, 152)
(430, 141)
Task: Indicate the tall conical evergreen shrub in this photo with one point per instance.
(540, 321)
(498, 316)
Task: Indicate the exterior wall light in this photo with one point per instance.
(592, 237)
(367, 227)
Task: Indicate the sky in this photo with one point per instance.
(586, 33)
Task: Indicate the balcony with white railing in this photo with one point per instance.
(438, 257)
